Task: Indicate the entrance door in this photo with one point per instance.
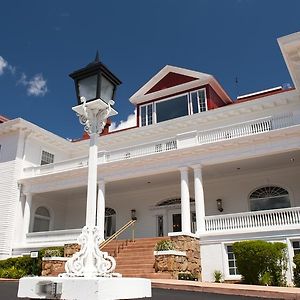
(175, 224)
(176, 220)
(110, 222)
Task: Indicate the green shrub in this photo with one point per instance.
(51, 252)
(17, 267)
(261, 262)
(296, 270)
(12, 272)
(218, 276)
(164, 245)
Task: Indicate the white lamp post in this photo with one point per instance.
(89, 272)
(95, 88)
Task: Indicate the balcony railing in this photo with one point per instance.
(245, 128)
(250, 220)
(142, 150)
(179, 142)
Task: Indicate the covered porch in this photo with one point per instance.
(181, 201)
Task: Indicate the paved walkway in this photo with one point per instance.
(264, 292)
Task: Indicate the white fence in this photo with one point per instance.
(259, 219)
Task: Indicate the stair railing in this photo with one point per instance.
(117, 234)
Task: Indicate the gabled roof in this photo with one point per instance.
(171, 80)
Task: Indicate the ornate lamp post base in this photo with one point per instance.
(90, 261)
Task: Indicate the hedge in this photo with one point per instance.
(17, 267)
(296, 270)
(261, 262)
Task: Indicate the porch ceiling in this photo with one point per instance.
(262, 163)
(213, 171)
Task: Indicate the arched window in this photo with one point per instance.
(269, 197)
(41, 220)
(172, 201)
(110, 221)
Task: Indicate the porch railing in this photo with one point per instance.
(53, 237)
(258, 219)
(245, 128)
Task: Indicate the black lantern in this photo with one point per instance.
(220, 205)
(95, 81)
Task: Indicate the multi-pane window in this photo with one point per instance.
(146, 114)
(198, 101)
(171, 108)
(47, 158)
(231, 261)
(296, 247)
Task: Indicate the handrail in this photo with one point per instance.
(117, 233)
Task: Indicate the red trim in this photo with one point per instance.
(262, 95)
(3, 119)
(170, 80)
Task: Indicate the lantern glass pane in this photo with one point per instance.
(88, 87)
(107, 89)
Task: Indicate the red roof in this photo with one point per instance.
(3, 119)
(263, 94)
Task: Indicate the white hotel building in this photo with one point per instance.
(196, 163)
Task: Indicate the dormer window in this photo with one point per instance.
(173, 107)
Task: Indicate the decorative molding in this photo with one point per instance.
(90, 261)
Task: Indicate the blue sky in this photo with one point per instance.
(43, 41)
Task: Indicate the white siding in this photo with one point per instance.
(9, 195)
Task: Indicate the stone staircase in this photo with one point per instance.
(136, 259)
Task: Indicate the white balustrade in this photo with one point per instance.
(257, 219)
(245, 128)
(57, 167)
(53, 237)
(142, 150)
(181, 141)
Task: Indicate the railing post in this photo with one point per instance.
(133, 228)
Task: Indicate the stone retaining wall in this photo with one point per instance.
(53, 266)
(174, 264)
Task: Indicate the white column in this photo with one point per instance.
(101, 207)
(92, 182)
(27, 214)
(185, 201)
(199, 199)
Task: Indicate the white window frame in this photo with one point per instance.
(147, 120)
(191, 102)
(271, 184)
(227, 276)
(189, 106)
(34, 215)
